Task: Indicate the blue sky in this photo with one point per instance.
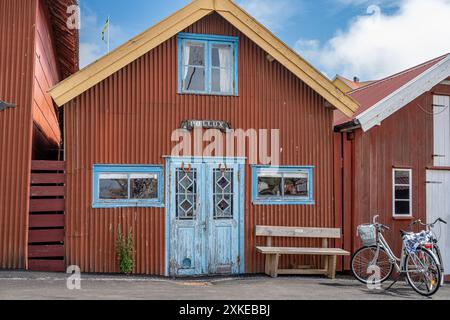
(366, 38)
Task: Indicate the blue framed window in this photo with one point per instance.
(283, 185)
(119, 186)
(207, 64)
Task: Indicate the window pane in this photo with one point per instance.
(221, 56)
(186, 187)
(402, 193)
(223, 194)
(402, 177)
(296, 185)
(144, 186)
(402, 207)
(269, 185)
(194, 79)
(194, 54)
(221, 80)
(113, 186)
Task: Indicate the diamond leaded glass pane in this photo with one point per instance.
(186, 186)
(223, 194)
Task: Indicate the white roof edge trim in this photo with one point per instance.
(376, 114)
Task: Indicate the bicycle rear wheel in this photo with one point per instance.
(423, 272)
(365, 260)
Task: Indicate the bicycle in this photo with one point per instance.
(421, 266)
(433, 240)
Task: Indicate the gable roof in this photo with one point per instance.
(383, 98)
(88, 77)
(347, 85)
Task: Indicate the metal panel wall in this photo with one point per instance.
(17, 33)
(129, 119)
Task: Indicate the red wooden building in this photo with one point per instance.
(395, 153)
(208, 66)
(36, 52)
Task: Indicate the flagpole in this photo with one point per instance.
(109, 26)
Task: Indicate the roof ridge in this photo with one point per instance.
(400, 73)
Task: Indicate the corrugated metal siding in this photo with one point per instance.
(404, 140)
(129, 119)
(16, 76)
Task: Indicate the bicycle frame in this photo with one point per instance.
(398, 262)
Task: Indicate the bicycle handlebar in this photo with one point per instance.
(380, 225)
(429, 224)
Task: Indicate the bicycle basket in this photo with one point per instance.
(368, 234)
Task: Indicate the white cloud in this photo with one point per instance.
(377, 45)
(274, 14)
(92, 47)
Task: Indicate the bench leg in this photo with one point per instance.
(326, 263)
(268, 264)
(332, 267)
(272, 261)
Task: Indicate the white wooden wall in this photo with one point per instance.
(438, 206)
(441, 112)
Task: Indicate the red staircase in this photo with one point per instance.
(46, 218)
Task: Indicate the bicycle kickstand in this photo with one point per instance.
(399, 277)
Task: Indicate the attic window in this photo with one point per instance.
(207, 64)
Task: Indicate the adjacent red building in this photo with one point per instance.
(394, 153)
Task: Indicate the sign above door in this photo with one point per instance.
(205, 124)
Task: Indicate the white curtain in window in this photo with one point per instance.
(187, 55)
(225, 69)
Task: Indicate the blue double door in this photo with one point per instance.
(205, 206)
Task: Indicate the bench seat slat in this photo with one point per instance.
(303, 251)
(294, 232)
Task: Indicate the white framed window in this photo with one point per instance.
(402, 193)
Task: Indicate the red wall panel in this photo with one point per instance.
(17, 34)
(47, 133)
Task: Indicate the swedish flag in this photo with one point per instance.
(106, 26)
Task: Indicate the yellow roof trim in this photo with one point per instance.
(342, 85)
(96, 72)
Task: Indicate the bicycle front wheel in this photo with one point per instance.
(366, 263)
(423, 272)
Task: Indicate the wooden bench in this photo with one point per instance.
(273, 253)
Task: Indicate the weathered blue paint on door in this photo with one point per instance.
(205, 216)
